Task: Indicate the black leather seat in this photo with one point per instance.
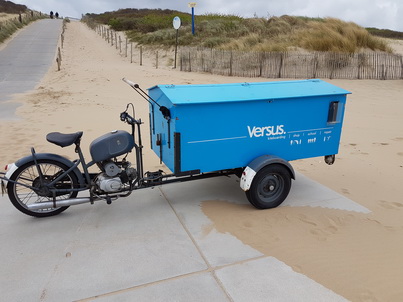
(64, 140)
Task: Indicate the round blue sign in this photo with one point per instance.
(177, 22)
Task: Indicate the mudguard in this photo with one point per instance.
(258, 163)
(14, 166)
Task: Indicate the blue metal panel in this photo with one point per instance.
(238, 92)
(227, 126)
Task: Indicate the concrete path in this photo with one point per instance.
(151, 246)
(25, 60)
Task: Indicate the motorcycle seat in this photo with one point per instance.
(64, 140)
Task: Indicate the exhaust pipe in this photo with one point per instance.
(59, 203)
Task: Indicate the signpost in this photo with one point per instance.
(176, 24)
(192, 5)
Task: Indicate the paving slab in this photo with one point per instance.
(269, 279)
(219, 249)
(155, 244)
(196, 288)
(93, 250)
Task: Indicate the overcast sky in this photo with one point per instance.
(368, 13)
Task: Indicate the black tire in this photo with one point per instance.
(20, 196)
(270, 187)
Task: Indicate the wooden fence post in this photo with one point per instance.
(141, 55)
(131, 52)
(59, 59)
(261, 60)
(156, 60)
(126, 49)
(190, 63)
(401, 68)
(281, 65)
(315, 66)
(230, 64)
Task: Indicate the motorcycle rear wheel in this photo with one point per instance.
(22, 196)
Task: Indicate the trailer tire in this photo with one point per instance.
(270, 187)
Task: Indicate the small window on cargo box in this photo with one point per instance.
(334, 112)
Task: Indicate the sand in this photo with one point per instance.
(356, 255)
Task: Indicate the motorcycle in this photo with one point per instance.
(45, 184)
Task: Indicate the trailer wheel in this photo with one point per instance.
(270, 187)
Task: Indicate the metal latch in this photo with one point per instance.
(158, 142)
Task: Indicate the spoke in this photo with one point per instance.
(30, 175)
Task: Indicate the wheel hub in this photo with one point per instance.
(41, 188)
(270, 186)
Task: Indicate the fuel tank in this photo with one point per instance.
(112, 144)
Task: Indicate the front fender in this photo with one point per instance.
(258, 163)
(14, 166)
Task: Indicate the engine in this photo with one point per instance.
(115, 176)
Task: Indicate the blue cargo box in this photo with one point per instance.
(226, 126)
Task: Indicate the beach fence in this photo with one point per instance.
(371, 65)
(115, 39)
(292, 64)
(125, 48)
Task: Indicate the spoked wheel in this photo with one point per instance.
(31, 187)
(270, 187)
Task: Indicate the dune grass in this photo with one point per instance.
(154, 27)
(10, 26)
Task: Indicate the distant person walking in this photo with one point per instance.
(51, 14)
(57, 15)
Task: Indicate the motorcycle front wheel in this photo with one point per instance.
(28, 186)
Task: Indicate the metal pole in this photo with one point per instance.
(176, 46)
(193, 20)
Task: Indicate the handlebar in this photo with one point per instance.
(125, 117)
(132, 84)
